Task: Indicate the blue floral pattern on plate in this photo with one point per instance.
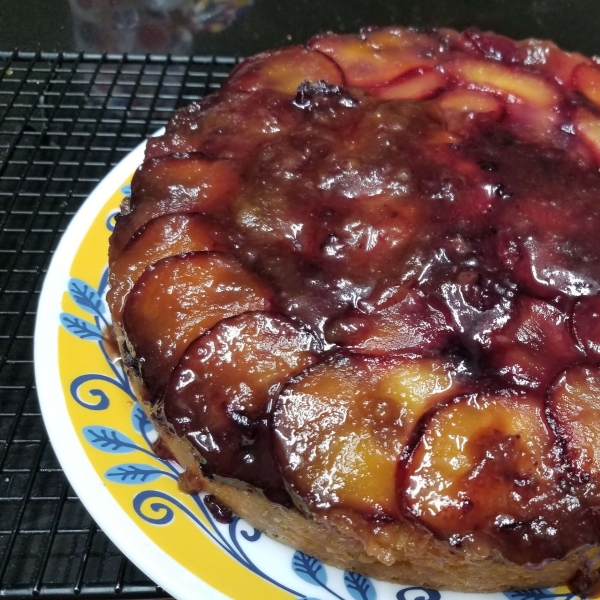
(541, 595)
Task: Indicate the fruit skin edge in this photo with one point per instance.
(104, 444)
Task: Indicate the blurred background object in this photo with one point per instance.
(149, 26)
(145, 27)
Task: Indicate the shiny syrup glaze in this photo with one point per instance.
(414, 219)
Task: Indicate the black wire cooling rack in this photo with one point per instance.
(65, 119)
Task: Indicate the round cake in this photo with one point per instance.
(357, 291)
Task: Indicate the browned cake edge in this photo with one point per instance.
(396, 552)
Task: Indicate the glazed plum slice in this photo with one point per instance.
(559, 65)
(484, 471)
(586, 79)
(535, 125)
(393, 319)
(461, 107)
(271, 208)
(375, 159)
(509, 83)
(284, 70)
(366, 234)
(547, 244)
(418, 86)
(536, 264)
(587, 125)
(535, 344)
(182, 179)
(220, 394)
(586, 324)
(340, 427)
(469, 102)
(574, 404)
(172, 184)
(376, 57)
(164, 236)
(232, 128)
(180, 298)
(541, 56)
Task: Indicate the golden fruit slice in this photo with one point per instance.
(268, 213)
(178, 299)
(574, 404)
(177, 183)
(419, 86)
(510, 83)
(534, 345)
(586, 324)
(485, 466)
(339, 429)
(587, 125)
(284, 70)
(367, 63)
(397, 319)
(220, 394)
(401, 38)
(533, 124)
(227, 126)
(164, 236)
(556, 63)
(471, 102)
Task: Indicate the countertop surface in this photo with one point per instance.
(243, 27)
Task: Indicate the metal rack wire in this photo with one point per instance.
(65, 119)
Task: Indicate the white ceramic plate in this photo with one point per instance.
(103, 442)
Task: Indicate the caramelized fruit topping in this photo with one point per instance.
(340, 428)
